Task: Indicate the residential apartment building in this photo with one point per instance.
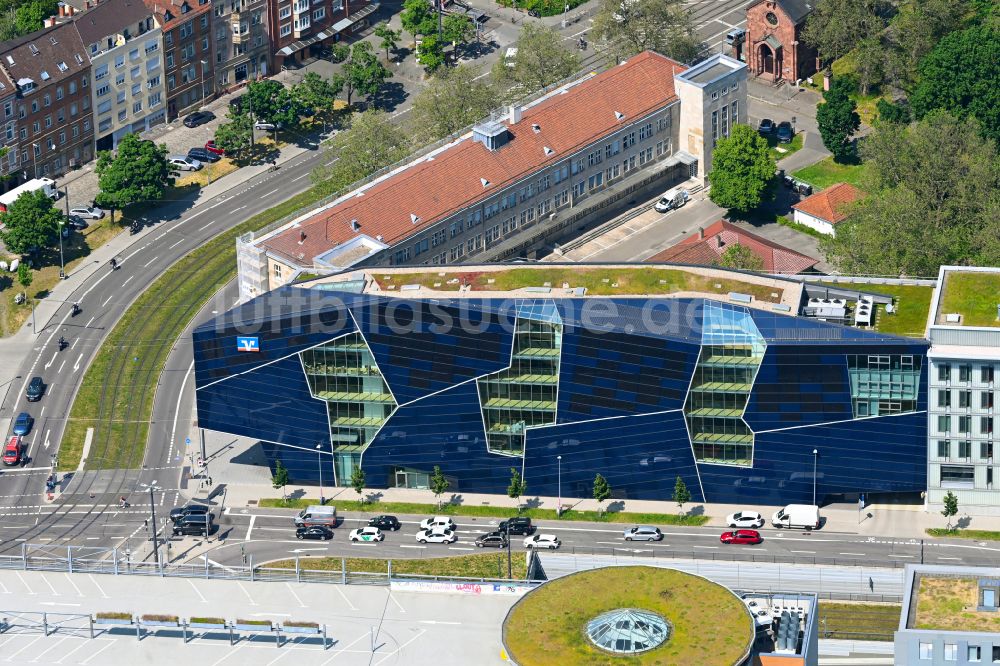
(52, 74)
(300, 29)
(8, 135)
(188, 53)
(126, 52)
(242, 47)
(964, 391)
(517, 182)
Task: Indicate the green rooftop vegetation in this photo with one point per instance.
(912, 302)
(710, 624)
(949, 604)
(973, 295)
(827, 172)
(598, 281)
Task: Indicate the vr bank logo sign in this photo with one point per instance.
(247, 345)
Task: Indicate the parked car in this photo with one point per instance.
(436, 536)
(23, 423)
(198, 118)
(198, 524)
(384, 522)
(550, 541)
(437, 522)
(766, 126)
(183, 163)
(314, 532)
(12, 451)
(741, 537)
(367, 534)
(236, 103)
(88, 212)
(76, 222)
(785, 132)
(212, 148)
(750, 519)
(735, 36)
(674, 198)
(643, 533)
(520, 525)
(266, 126)
(190, 510)
(35, 390)
(495, 539)
(202, 155)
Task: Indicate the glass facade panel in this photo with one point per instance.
(884, 384)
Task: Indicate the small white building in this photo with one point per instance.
(824, 210)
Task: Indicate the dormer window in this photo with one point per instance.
(52, 40)
(45, 75)
(167, 17)
(79, 58)
(62, 66)
(185, 8)
(10, 60)
(33, 49)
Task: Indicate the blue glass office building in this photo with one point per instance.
(733, 399)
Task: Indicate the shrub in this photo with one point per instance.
(114, 616)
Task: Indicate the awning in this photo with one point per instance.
(303, 43)
(343, 24)
(773, 42)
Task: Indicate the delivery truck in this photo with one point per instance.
(797, 516)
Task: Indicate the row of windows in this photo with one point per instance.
(944, 373)
(944, 423)
(51, 142)
(36, 126)
(948, 450)
(726, 114)
(974, 653)
(46, 100)
(965, 400)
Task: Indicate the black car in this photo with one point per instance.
(199, 524)
(785, 132)
(203, 155)
(35, 390)
(520, 525)
(314, 532)
(76, 222)
(236, 104)
(766, 126)
(495, 539)
(198, 118)
(190, 510)
(384, 522)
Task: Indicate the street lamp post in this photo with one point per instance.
(319, 463)
(815, 458)
(559, 483)
(152, 511)
(62, 263)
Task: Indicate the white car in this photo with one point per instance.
(266, 126)
(183, 163)
(367, 534)
(436, 536)
(437, 523)
(748, 519)
(550, 541)
(88, 213)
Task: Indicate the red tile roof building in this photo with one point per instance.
(539, 166)
(188, 53)
(706, 248)
(823, 210)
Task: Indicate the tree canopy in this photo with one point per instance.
(542, 59)
(314, 94)
(363, 72)
(235, 136)
(271, 101)
(136, 173)
(742, 170)
(837, 26)
(741, 257)
(388, 38)
(452, 100)
(31, 223)
(838, 120)
(934, 199)
(417, 18)
(631, 26)
(372, 142)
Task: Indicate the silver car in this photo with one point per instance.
(183, 163)
(643, 533)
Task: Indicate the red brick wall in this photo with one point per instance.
(794, 60)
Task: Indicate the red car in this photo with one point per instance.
(741, 536)
(12, 451)
(211, 147)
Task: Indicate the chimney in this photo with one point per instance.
(70, 10)
(718, 239)
(49, 22)
(302, 237)
(701, 233)
(514, 114)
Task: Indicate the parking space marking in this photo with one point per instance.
(230, 653)
(83, 642)
(50, 649)
(252, 602)
(24, 582)
(345, 648)
(398, 649)
(396, 601)
(197, 591)
(10, 657)
(292, 590)
(110, 643)
(344, 596)
(75, 587)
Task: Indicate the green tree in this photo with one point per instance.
(961, 76)
(741, 257)
(314, 94)
(280, 478)
(417, 18)
(681, 493)
(372, 142)
(602, 491)
(933, 199)
(438, 484)
(838, 120)
(452, 100)
(8, 23)
(236, 136)
(457, 29)
(30, 16)
(24, 275)
(950, 509)
(742, 170)
(270, 101)
(914, 31)
(364, 73)
(30, 223)
(389, 37)
(136, 173)
(430, 53)
(631, 26)
(870, 55)
(837, 26)
(516, 488)
(358, 482)
(542, 59)
(339, 52)
(893, 112)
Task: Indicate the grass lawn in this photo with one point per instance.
(949, 604)
(972, 295)
(861, 622)
(547, 626)
(801, 228)
(598, 281)
(954, 533)
(480, 565)
(209, 174)
(826, 172)
(912, 302)
(412, 508)
(148, 329)
(780, 151)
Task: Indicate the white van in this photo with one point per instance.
(799, 516)
(317, 515)
(674, 198)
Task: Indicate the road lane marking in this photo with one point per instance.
(107, 301)
(250, 529)
(807, 552)
(146, 265)
(130, 278)
(47, 437)
(51, 586)
(75, 340)
(49, 364)
(176, 244)
(110, 643)
(91, 321)
(264, 196)
(856, 554)
(398, 605)
(99, 588)
(453, 548)
(710, 547)
(403, 545)
(11, 656)
(895, 555)
(949, 558)
(61, 365)
(76, 366)
(75, 587)
(299, 177)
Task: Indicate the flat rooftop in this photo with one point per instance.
(968, 297)
(947, 602)
(569, 281)
(711, 69)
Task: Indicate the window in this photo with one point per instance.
(715, 127)
(985, 372)
(421, 246)
(926, 650)
(121, 96)
(60, 115)
(493, 234)
(964, 399)
(986, 400)
(119, 60)
(628, 140)
(725, 121)
(8, 109)
(62, 136)
(996, 654)
(944, 372)
(474, 244)
(965, 424)
(986, 425)
(986, 450)
(73, 109)
(944, 398)
(578, 166)
(594, 158)
(103, 90)
(319, 14)
(104, 107)
(120, 79)
(34, 106)
(456, 228)
(204, 21)
(438, 237)
(456, 252)
(100, 72)
(950, 652)
(560, 174)
(152, 64)
(170, 60)
(35, 127)
(48, 122)
(965, 450)
(527, 216)
(287, 30)
(47, 99)
(989, 597)
(645, 131)
(154, 100)
(957, 476)
(943, 448)
(59, 93)
(734, 110)
(137, 107)
(964, 373)
(944, 423)
(975, 653)
(595, 181)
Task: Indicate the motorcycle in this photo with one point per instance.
(114, 264)
(62, 343)
(76, 309)
(582, 44)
